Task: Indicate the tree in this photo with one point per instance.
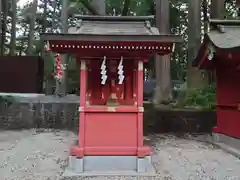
(195, 77)
(44, 20)
(162, 63)
(218, 9)
(126, 7)
(61, 87)
(13, 28)
(50, 18)
(99, 6)
(5, 8)
(32, 18)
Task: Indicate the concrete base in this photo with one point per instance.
(109, 165)
(229, 144)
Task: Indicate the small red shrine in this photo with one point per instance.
(111, 52)
(220, 52)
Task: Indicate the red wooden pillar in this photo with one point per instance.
(83, 80)
(143, 151)
(78, 150)
(140, 103)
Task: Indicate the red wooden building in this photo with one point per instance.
(111, 52)
(220, 52)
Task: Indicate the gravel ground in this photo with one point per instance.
(27, 155)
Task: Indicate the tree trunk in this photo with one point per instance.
(89, 6)
(22, 43)
(54, 16)
(126, 7)
(205, 9)
(4, 25)
(162, 93)
(100, 6)
(33, 15)
(217, 9)
(13, 29)
(205, 15)
(61, 87)
(44, 25)
(195, 78)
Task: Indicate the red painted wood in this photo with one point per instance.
(116, 53)
(228, 96)
(83, 72)
(140, 83)
(83, 80)
(140, 129)
(228, 122)
(105, 109)
(96, 122)
(228, 86)
(135, 75)
(111, 151)
(121, 131)
(227, 66)
(140, 104)
(100, 94)
(124, 122)
(115, 129)
(96, 43)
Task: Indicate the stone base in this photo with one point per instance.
(109, 165)
(227, 143)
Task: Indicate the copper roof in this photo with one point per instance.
(113, 28)
(114, 25)
(224, 34)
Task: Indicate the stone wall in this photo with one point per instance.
(178, 120)
(62, 113)
(39, 115)
(40, 112)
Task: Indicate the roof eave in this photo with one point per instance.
(208, 40)
(224, 22)
(111, 38)
(114, 18)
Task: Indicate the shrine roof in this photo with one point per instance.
(116, 25)
(113, 28)
(223, 35)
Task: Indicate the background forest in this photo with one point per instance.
(22, 23)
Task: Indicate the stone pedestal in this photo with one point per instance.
(109, 165)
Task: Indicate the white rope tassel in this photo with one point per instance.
(173, 47)
(103, 71)
(211, 53)
(47, 46)
(120, 72)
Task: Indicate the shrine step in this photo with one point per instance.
(109, 165)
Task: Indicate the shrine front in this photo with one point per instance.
(111, 52)
(219, 53)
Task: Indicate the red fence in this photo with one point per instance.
(21, 74)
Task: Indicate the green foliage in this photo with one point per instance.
(231, 10)
(199, 98)
(7, 100)
(51, 21)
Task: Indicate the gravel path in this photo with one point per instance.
(27, 155)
